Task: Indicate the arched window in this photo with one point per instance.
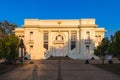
(59, 38)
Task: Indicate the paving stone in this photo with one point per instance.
(59, 70)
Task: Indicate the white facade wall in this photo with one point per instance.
(33, 31)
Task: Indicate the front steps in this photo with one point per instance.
(59, 58)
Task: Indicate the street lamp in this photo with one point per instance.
(21, 50)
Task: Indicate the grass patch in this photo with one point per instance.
(115, 68)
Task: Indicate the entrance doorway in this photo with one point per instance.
(59, 45)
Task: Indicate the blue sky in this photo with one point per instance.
(106, 12)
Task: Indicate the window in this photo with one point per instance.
(88, 48)
(21, 36)
(73, 36)
(73, 41)
(45, 37)
(59, 37)
(31, 35)
(98, 38)
(73, 45)
(46, 46)
(31, 48)
(88, 34)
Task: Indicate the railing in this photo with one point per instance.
(87, 41)
(58, 41)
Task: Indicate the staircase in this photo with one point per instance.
(59, 57)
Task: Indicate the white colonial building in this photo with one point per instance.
(74, 38)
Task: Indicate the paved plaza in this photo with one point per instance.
(58, 70)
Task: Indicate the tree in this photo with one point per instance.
(6, 28)
(117, 44)
(9, 27)
(9, 47)
(111, 47)
(2, 31)
(102, 49)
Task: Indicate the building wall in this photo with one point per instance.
(87, 33)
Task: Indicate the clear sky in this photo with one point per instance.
(106, 12)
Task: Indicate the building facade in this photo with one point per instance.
(74, 38)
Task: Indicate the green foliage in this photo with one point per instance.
(112, 46)
(97, 51)
(117, 44)
(9, 47)
(102, 48)
(6, 28)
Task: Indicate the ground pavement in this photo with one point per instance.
(58, 70)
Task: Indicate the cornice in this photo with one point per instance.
(88, 26)
(50, 26)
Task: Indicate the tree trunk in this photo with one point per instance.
(103, 59)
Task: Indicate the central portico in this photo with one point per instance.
(74, 38)
(59, 43)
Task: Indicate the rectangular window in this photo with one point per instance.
(31, 35)
(73, 45)
(73, 41)
(45, 37)
(31, 49)
(88, 35)
(46, 46)
(73, 36)
(98, 38)
(88, 49)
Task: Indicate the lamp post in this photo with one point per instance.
(21, 51)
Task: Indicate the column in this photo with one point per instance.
(77, 42)
(50, 44)
(49, 40)
(41, 44)
(69, 41)
(81, 45)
